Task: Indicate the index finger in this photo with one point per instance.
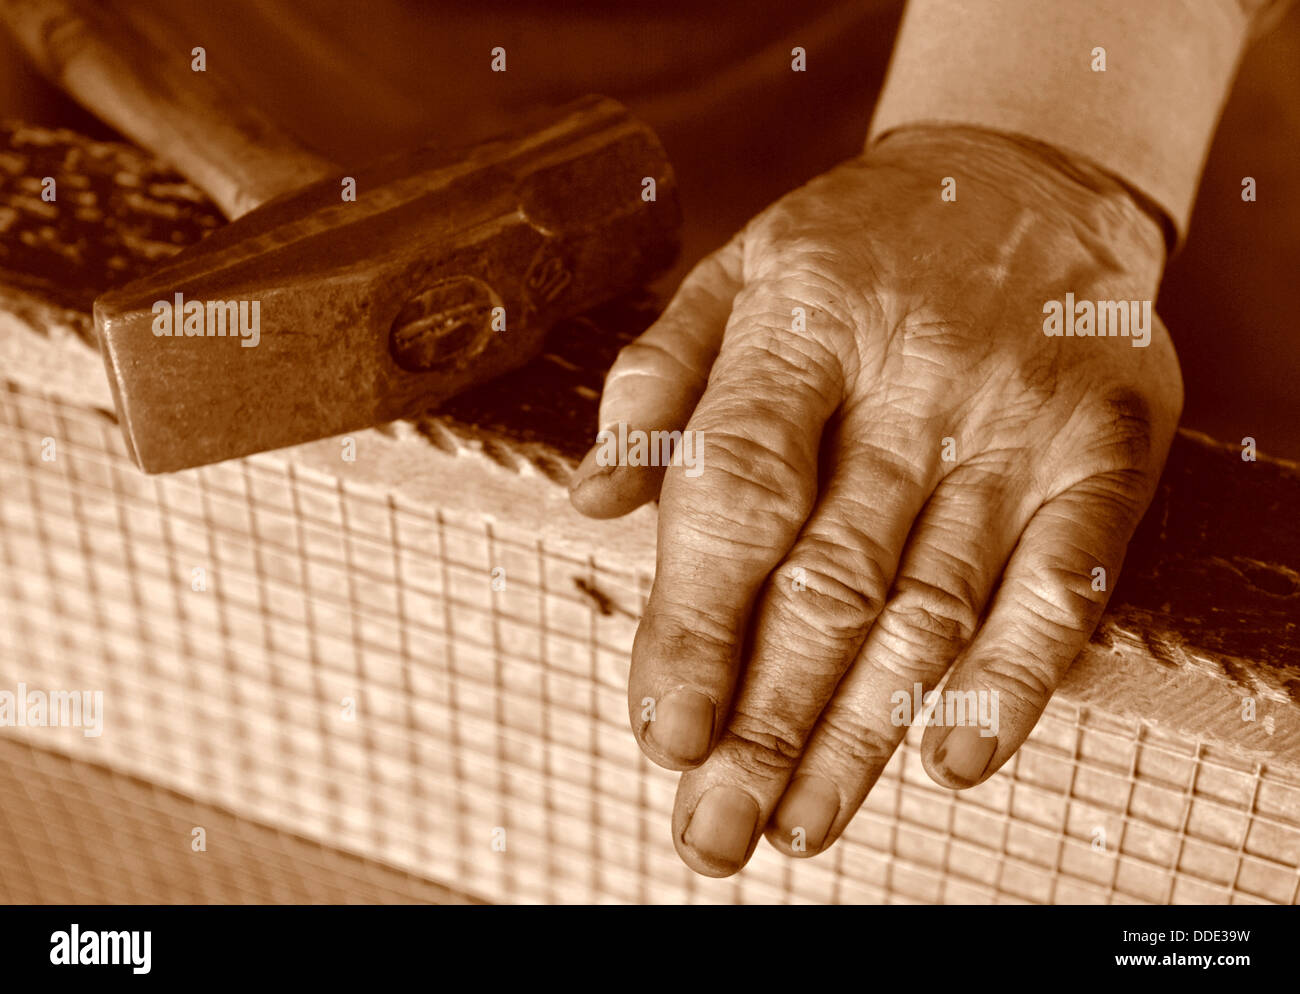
(726, 524)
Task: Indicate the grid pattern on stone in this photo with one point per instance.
(336, 665)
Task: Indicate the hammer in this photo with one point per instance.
(335, 302)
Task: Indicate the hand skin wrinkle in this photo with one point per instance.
(942, 468)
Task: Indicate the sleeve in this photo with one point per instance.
(1032, 68)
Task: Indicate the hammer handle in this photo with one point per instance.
(132, 75)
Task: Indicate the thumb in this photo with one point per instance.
(656, 381)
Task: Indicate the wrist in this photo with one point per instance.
(1084, 196)
(1135, 89)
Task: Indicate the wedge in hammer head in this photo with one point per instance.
(313, 315)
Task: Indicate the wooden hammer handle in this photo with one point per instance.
(136, 78)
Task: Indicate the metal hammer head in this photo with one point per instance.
(315, 314)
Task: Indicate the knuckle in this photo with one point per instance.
(854, 742)
(843, 590)
(763, 744)
(906, 661)
(680, 629)
(765, 351)
(1119, 431)
(1058, 598)
(1035, 381)
(755, 466)
(1128, 413)
(925, 614)
(762, 312)
(1020, 680)
(918, 632)
(1121, 492)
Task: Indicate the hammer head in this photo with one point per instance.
(317, 314)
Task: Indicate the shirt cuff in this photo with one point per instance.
(1025, 67)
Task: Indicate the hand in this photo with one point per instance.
(903, 477)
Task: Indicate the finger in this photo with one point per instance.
(1052, 596)
(723, 528)
(813, 616)
(655, 384)
(953, 558)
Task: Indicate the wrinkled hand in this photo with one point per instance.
(903, 477)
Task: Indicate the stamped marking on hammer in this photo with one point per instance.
(548, 277)
(445, 325)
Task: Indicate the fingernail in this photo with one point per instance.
(810, 804)
(683, 726)
(723, 824)
(965, 753)
(589, 468)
